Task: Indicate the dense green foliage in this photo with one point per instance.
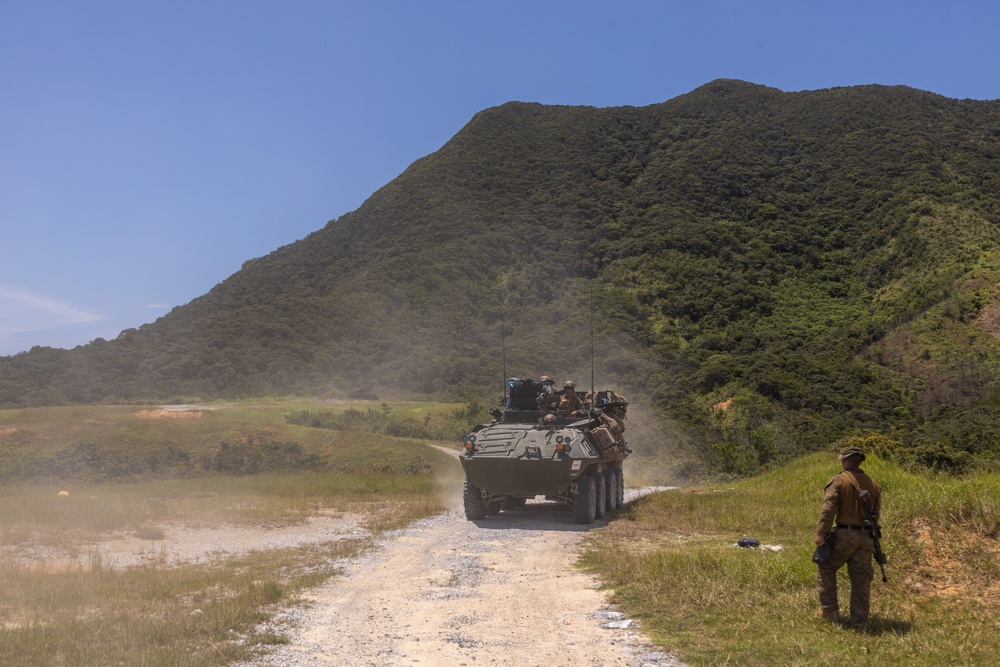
(771, 271)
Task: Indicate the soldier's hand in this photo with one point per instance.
(820, 540)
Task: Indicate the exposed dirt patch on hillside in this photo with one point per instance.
(989, 318)
(723, 406)
(948, 567)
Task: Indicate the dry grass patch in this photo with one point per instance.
(65, 601)
(192, 615)
(68, 596)
(956, 563)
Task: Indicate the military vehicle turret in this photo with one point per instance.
(566, 446)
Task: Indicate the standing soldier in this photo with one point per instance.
(852, 544)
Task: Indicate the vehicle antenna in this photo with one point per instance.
(503, 352)
(592, 340)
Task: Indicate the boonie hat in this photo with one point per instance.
(852, 451)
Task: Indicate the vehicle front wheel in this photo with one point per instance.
(600, 497)
(473, 500)
(610, 481)
(584, 504)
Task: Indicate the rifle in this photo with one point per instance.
(875, 530)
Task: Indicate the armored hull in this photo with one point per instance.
(528, 461)
(524, 453)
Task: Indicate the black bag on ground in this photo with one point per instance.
(822, 555)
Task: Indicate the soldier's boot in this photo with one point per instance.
(828, 615)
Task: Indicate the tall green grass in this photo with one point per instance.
(671, 561)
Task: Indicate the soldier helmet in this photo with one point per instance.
(569, 384)
(852, 451)
(549, 418)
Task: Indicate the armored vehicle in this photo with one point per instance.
(566, 446)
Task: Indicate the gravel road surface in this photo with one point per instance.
(448, 592)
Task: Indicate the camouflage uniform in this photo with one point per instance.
(569, 402)
(853, 545)
(547, 399)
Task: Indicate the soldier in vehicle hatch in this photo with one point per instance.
(570, 404)
(547, 399)
(853, 543)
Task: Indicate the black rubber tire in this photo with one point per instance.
(601, 497)
(620, 474)
(584, 503)
(473, 500)
(610, 480)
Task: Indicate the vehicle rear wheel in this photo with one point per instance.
(610, 481)
(584, 504)
(601, 497)
(473, 500)
(620, 474)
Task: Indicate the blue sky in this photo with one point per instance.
(149, 148)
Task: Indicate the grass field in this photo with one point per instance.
(77, 608)
(116, 443)
(671, 562)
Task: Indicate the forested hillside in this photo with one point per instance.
(770, 271)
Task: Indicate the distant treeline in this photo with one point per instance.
(384, 422)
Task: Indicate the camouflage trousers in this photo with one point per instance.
(855, 548)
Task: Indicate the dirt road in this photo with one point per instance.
(451, 592)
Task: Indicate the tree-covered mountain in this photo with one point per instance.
(772, 270)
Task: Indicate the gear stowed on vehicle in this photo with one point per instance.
(532, 448)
